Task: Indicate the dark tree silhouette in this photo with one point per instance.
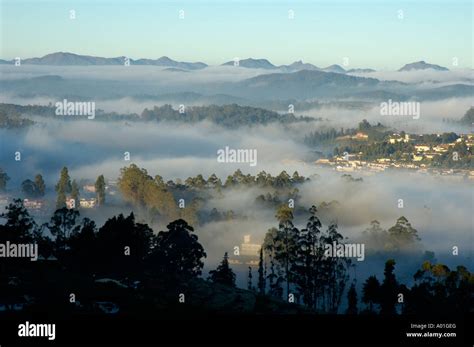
(272, 246)
(249, 282)
(223, 274)
(177, 251)
(309, 254)
(100, 190)
(62, 225)
(28, 187)
(123, 245)
(371, 293)
(63, 187)
(261, 274)
(285, 251)
(19, 225)
(438, 290)
(40, 185)
(389, 289)
(83, 247)
(75, 193)
(352, 300)
(3, 180)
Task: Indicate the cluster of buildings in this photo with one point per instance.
(249, 253)
(83, 203)
(416, 160)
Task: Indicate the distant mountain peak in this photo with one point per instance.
(252, 63)
(334, 68)
(422, 65)
(297, 66)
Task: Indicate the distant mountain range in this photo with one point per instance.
(422, 65)
(68, 59)
(304, 84)
(360, 70)
(63, 58)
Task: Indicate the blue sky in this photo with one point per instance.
(368, 33)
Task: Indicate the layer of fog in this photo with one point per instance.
(433, 116)
(215, 74)
(440, 208)
(424, 77)
(156, 74)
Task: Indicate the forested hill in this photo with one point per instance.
(226, 115)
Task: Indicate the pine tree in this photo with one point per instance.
(285, 252)
(40, 185)
(177, 253)
(371, 292)
(75, 193)
(402, 234)
(61, 200)
(223, 274)
(3, 180)
(249, 282)
(63, 187)
(19, 226)
(352, 300)
(100, 189)
(389, 288)
(62, 225)
(308, 254)
(334, 270)
(28, 187)
(64, 183)
(261, 274)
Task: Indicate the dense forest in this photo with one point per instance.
(125, 268)
(227, 115)
(13, 120)
(159, 198)
(230, 116)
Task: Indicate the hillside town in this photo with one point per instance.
(423, 157)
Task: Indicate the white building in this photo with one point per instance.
(249, 249)
(87, 203)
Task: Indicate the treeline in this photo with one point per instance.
(13, 120)
(227, 115)
(374, 132)
(120, 247)
(296, 257)
(31, 188)
(400, 237)
(468, 118)
(376, 150)
(13, 109)
(293, 266)
(177, 199)
(35, 188)
(460, 156)
(4, 178)
(230, 116)
(68, 191)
